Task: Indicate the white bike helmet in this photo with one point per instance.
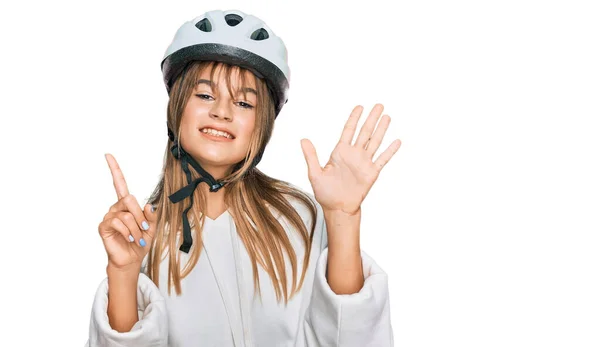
(231, 37)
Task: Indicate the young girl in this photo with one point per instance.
(228, 255)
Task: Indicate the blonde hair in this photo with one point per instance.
(249, 195)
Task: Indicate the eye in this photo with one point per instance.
(245, 105)
(204, 96)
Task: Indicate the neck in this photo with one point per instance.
(215, 201)
(216, 171)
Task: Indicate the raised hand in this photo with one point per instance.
(126, 230)
(344, 182)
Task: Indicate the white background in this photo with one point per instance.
(486, 220)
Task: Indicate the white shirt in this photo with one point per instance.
(218, 307)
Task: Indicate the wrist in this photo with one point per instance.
(343, 231)
(340, 217)
(130, 271)
(341, 214)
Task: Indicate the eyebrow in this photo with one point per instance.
(212, 85)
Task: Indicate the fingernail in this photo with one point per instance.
(153, 208)
(145, 225)
(142, 243)
(130, 238)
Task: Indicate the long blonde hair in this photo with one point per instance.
(249, 195)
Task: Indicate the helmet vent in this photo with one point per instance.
(233, 19)
(260, 34)
(204, 25)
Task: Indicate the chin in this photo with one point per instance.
(214, 159)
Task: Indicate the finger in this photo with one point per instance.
(375, 141)
(385, 157)
(130, 204)
(134, 230)
(118, 206)
(114, 225)
(152, 218)
(310, 155)
(367, 129)
(117, 175)
(150, 213)
(350, 127)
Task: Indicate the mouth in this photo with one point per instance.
(217, 133)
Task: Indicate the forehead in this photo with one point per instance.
(220, 75)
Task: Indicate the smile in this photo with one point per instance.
(217, 133)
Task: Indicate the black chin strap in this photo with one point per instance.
(189, 189)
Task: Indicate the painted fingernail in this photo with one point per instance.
(142, 243)
(145, 225)
(130, 238)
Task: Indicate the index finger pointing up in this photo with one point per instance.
(117, 175)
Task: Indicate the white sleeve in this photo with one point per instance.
(359, 319)
(150, 330)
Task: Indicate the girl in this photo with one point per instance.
(245, 259)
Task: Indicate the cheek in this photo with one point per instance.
(247, 127)
(187, 117)
(193, 109)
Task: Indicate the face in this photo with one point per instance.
(215, 127)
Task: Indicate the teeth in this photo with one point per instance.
(217, 133)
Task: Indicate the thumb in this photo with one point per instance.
(310, 155)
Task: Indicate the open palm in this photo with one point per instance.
(343, 183)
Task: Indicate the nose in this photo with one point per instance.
(220, 110)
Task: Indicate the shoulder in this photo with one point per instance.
(307, 212)
(310, 212)
(300, 205)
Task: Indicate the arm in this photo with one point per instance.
(341, 186)
(344, 264)
(150, 330)
(151, 321)
(136, 313)
(360, 318)
(122, 298)
(349, 304)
